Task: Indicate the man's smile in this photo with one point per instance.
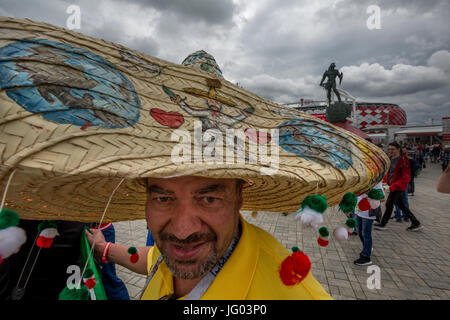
(184, 252)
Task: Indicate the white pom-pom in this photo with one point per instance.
(374, 203)
(49, 233)
(309, 217)
(11, 239)
(340, 233)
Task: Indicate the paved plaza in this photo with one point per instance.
(412, 265)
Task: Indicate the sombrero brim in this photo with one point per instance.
(79, 114)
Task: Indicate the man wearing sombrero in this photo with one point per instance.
(178, 143)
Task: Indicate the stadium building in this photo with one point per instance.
(379, 120)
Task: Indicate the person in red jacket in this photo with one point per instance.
(397, 178)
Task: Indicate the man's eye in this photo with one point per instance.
(162, 199)
(209, 200)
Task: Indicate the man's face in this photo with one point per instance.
(393, 152)
(193, 221)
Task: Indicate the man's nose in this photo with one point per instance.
(185, 220)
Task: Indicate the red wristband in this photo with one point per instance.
(105, 253)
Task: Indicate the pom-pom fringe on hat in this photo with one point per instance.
(80, 114)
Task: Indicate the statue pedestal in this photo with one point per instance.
(338, 112)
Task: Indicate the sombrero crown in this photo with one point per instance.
(79, 114)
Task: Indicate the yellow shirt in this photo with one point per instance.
(251, 273)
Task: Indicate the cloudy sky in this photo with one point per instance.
(279, 49)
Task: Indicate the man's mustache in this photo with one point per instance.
(193, 238)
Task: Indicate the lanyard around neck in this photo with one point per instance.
(208, 279)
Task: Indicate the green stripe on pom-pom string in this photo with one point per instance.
(375, 194)
(88, 273)
(323, 232)
(8, 218)
(46, 225)
(316, 202)
(348, 202)
(351, 223)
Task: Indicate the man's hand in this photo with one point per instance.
(96, 235)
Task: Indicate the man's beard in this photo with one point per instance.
(177, 267)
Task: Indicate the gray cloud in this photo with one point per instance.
(210, 12)
(280, 48)
(376, 81)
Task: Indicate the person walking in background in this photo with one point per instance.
(426, 152)
(420, 147)
(398, 214)
(364, 225)
(397, 178)
(436, 152)
(414, 171)
(420, 158)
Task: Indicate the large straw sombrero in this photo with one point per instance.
(79, 114)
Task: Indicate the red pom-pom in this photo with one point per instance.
(90, 283)
(44, 242)
(1, 260)
(134, 258)
(321, 242)
(294, 268)
(364, 205)
(302, 263)
(287, 273)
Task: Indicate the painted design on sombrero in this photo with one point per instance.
(203, 61)
(134, 62)
(374, 164)
(63, 173)
(169, 119)
(68, 85)
(211, 117)
(258, 136)
(211, 94)
(316, 142)
(213, 100)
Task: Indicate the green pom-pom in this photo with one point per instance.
(351, 223)
(323, 232)
(348, 202)
(132, 250)
(317, 203)
(46, 224)
(88, 273)
(295, 249)
(375, 194)
(8, 218)
(74, 294)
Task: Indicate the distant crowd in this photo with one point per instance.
(422, 153)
